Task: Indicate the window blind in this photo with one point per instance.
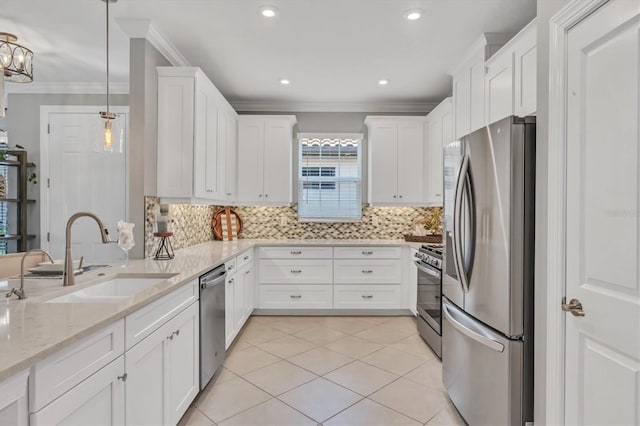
(330, 178)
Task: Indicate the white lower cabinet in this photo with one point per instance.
(367, 297)
(98, 400)
(239, 294)
(163, 372)
(292, 296)
(14, 409)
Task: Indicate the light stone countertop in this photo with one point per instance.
(31, 330)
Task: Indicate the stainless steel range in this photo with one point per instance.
(428, 261)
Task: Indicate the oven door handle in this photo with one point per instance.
(427, 269)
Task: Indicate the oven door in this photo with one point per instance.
(429, 295)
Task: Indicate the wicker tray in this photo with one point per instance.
(434, 239)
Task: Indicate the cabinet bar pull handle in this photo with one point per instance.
(367, 296)
(123, 377)
(367, 271)
(367, 252)
(170, 337)
(296, 271)
(296, 296)
(296, 252)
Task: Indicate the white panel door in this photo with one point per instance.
(499, 87)
(410, 161)
(84, 178)
(477, 93)
(147, 385)
(207, 144)
(278, 161)
(461, 102)
(250, 146)
(525, 72)
(383, 163)
(602, 220)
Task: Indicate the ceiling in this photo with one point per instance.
(333, 51)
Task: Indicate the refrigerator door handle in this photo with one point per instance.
(473, 334)
(457, 218)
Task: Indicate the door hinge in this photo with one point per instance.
(48, 236)
(49, 128)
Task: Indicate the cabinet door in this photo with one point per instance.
(278, 161)
(229, 308)
(477, 93)
(14, 408)
(447, 124)
(525, 66)
(231, 159)
(499, 85)
(184, 365)
(147, 387)
(239, 313)
(410, 161)
(462, 102)
(99, 400)
(433, 160)
(248, 281)
(206, 144)
(250, 146)
(175, 136)
(383, 163)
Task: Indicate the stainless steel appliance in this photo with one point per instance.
(212, 330)
(487, 335)
(428, 262)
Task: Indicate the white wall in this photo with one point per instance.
(546, 9)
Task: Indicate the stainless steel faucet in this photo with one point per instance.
(20, 293)
(68, 277)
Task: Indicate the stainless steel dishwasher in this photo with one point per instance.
(212, 329)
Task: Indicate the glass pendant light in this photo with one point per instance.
(111, 129)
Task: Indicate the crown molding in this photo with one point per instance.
(83, 88)
(377, 107)
(144, 28)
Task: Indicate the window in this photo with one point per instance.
(330, 177)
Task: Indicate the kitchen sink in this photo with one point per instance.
(112, 291)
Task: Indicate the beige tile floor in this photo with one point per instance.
(330, 371)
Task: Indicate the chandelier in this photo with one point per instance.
(16, 64)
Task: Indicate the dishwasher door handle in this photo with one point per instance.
(207, 282)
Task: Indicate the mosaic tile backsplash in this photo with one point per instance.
(191, 224)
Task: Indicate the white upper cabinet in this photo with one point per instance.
(469, 84)
(265, 159)
(196, 129)
(510, 82)
(396, 149)
(438, 133)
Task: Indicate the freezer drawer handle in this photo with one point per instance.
(490, 343)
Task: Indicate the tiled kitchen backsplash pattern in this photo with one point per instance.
(192, 224)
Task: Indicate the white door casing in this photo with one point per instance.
(593, 362)
(75, 177)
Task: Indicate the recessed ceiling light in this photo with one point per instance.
(269, 11)
(383, 82)
(284, 81)
(413, 14)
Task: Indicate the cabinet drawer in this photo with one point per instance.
(296, 296)
(303, 271)
(367, 271)
(244, 259)
(367, 252)
(367, 297)
(296, 252)
(230, 266)
(145, 321)
(63, 370)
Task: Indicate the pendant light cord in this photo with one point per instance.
(107, 2)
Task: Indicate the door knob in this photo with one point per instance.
(575, 307)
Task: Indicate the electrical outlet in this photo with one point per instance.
(374, 221)
(283, 220)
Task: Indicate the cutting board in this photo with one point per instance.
(226, 224)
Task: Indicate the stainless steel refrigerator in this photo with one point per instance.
(487, 336)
